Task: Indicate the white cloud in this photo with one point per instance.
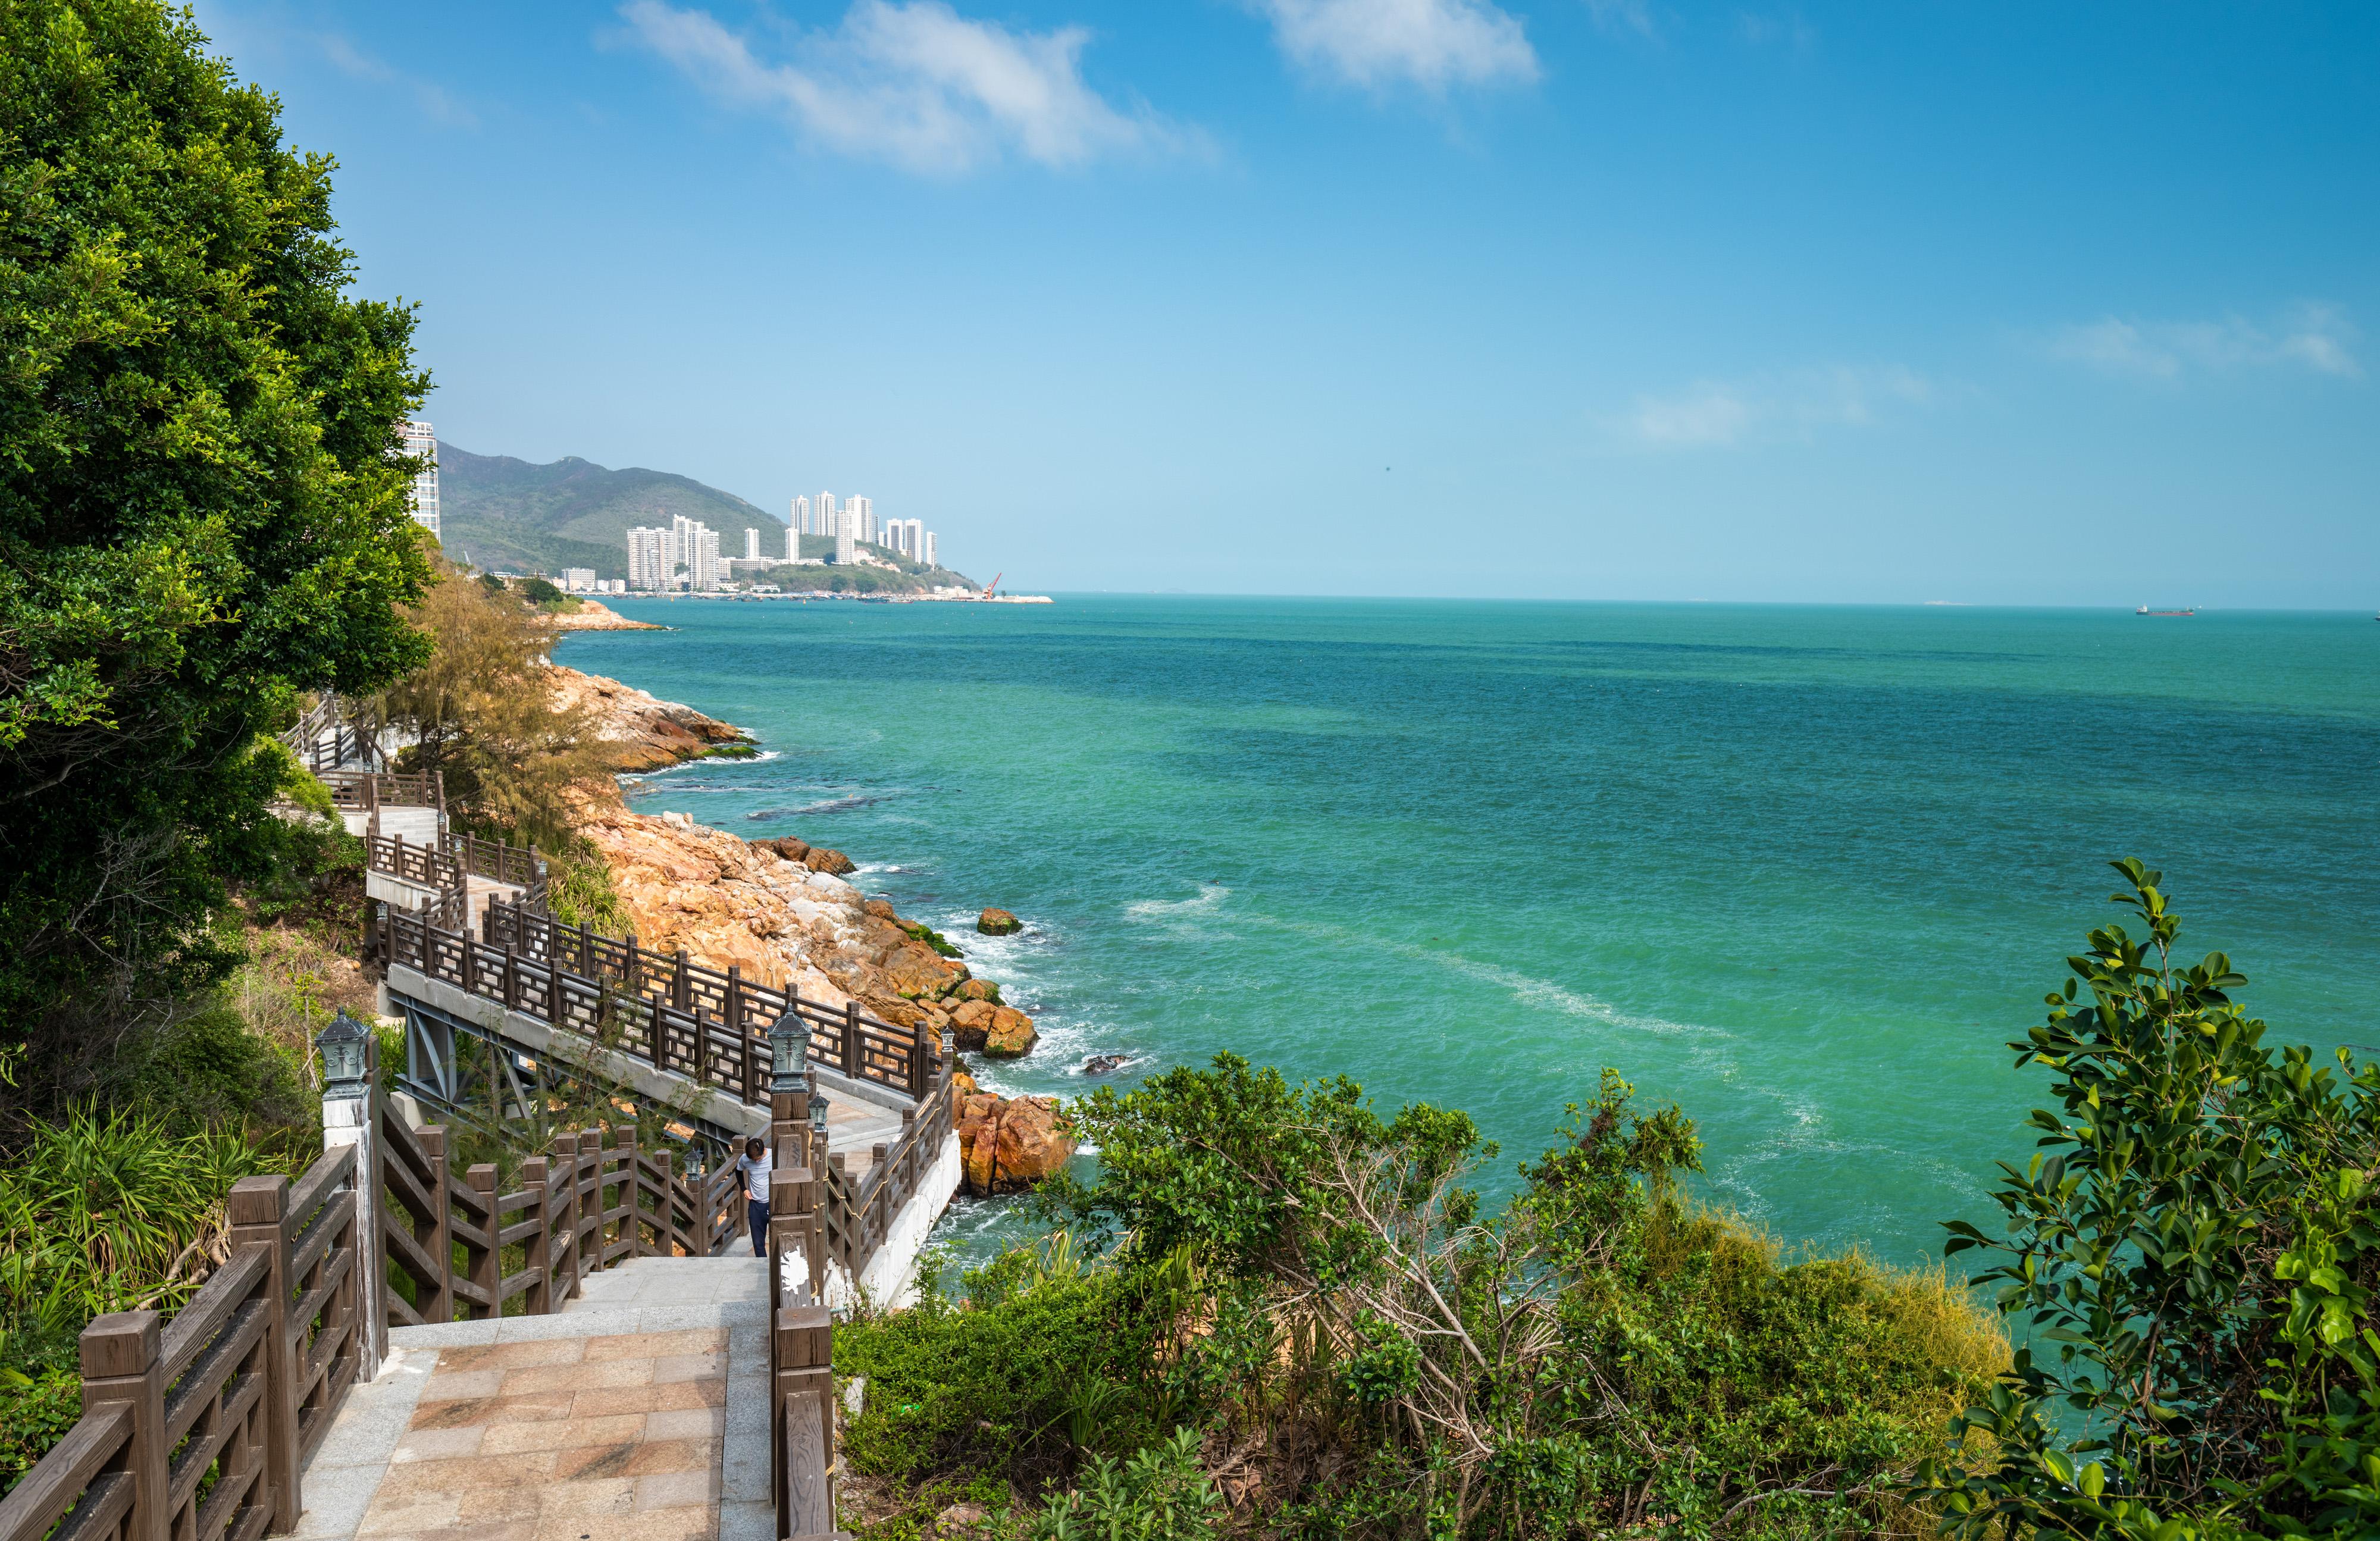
(436, 103)
(1623, 15)
(914, 83)
(1726, 414)
(2318, 337)
(1430, 43)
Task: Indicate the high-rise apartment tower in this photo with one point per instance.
(421, 440)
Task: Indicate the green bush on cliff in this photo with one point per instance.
(1320, 1294)
(2198, 1248)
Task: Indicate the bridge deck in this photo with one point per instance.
(638, 1412)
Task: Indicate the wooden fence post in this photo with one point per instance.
(486, 1264)
(440, 1241)
(922, 1044)
(255, 1210)
(802, 1418)
(852, 1055)
(682, 984)
(565, 1163)
(625, 1142)
(120, 1364)
(665, 1233)
(540, 1240)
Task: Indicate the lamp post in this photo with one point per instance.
(789, 1055)
(349, 1119)
(345, 1047)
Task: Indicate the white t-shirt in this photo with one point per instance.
(756, 1176)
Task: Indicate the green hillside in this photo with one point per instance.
(573, 512)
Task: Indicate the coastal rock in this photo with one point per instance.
(595, 616)
(643, 732)
(1100, 1064)
(1008, 1144)
(882, 909)
(978, 989)
(1010, 1035)
(787, 847)
(832, 862)
(998, 923)
(977, 1126)
(1029, 1146)
(971, 1024)
(917, 973)
(963, 1084)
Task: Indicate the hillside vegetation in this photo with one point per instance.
(573, 512)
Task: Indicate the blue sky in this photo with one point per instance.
(1576, 299)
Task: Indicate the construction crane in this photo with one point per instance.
(993, 587)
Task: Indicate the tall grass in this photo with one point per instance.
(113, 1211)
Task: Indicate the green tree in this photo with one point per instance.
(2196, 1246)
(201, 507)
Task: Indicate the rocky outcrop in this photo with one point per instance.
(998, 923)
(1007, 1144)
(779, 909)
(645, 732)
(594, 616)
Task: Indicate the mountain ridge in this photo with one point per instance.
(505, 512)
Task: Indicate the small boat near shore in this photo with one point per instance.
(2146, 611)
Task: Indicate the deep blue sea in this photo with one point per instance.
(1803, 870)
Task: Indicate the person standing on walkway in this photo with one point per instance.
(754, 1165)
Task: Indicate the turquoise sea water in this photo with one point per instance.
(1803, 870)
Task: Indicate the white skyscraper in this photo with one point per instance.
(652, 553)
(823, 513)
(420, 439)
(913, 539)
(794, 534)
(862, 514)
(751, 544)
(847, 534)
(800, 523)
(928, 558)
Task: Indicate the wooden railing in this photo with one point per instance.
(196, 1428)
(584, 1207)
(825, 1219)
(368, 790)
(345, 739)
(662, 1008)
(447, 865)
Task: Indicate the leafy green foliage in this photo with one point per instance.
(1318, 1294)
(1161, 1494)
(35, 1415)
(920, 931)
(2196, 1237)
(201, 509)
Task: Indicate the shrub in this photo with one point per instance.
(2196, 1237)
(36, 1411)
(1318, 1294)
(1162, 1494)
(210, 1072)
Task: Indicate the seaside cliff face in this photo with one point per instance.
(779, 911)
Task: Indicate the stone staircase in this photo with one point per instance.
(640, 1409)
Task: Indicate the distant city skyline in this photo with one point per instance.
(685, 553)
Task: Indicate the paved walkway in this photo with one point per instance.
(639, 1413)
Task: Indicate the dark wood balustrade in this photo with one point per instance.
(678, 1016)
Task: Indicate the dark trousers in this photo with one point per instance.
(758, 1209)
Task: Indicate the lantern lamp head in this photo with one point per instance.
(346, 1066)
(817, 1110)
(789, 1054)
